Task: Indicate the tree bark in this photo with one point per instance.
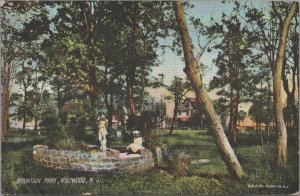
(143, 73)
(268, 110)
(25, 85)
(281, 151)
(230, 123)
(290, 101)
(202, 97)
(236, 116)
(143, 87)
(132, 52)
(174, 117)
(110, 110)
(175, 109)
(4, 99)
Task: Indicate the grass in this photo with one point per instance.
(257, 161)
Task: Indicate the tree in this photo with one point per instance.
(233, 60)
(266, 30)
(192, 72)
(14, 15)
(290, 73)
(178, 90)
(281, 151)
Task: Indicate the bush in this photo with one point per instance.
(76, 118)
(178, 162)
(67, 144)
(49, 119)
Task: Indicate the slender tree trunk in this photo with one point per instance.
(174, 118)
(230, 123)
(110, 110)
(93, 98)
(176, 103)
(90, 22)
(236, 116)
(281, 151)
(256, 121)
(143, 88)
(268, 110)
(4, 98)
(143, 67)
(25, 105)
(36, 118)
(194, 76)
(132, 53)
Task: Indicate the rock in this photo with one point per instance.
(112, 153)
(200, 162)
(136, 145)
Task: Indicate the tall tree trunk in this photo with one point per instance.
(143, 87)
(176, 103)
(290, 101)
(130, 99)
(87, 9)
(24, 110)
(93, 98)
(173, 119)
(236, 117)
(268, 109)
(4, 99)
(143, 72)
(230, 123)
(195, 77)
(132, 55)
(110, 110)
(296, 72)
(36, 118)
(281, 151)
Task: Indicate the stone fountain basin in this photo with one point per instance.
(93, 161)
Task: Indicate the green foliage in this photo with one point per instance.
(67, 144)
(178, 162)
(76, 118)
(50, 123)
(49, 119)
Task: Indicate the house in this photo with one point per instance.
(190, 114)
(116, 123)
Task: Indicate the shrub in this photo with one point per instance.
(49, 119)
(178, 162)
(76, 118)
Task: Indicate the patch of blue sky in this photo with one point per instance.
(207, 11)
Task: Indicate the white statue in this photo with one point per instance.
(102, 132)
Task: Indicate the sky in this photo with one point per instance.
(172, 65)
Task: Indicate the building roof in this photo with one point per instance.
(184, 118)
(192, 100)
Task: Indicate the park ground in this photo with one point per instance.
(177, 176)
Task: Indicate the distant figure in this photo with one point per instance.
(102, 132)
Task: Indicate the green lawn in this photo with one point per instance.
(257, 161)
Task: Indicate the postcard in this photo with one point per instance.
(149, 97)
